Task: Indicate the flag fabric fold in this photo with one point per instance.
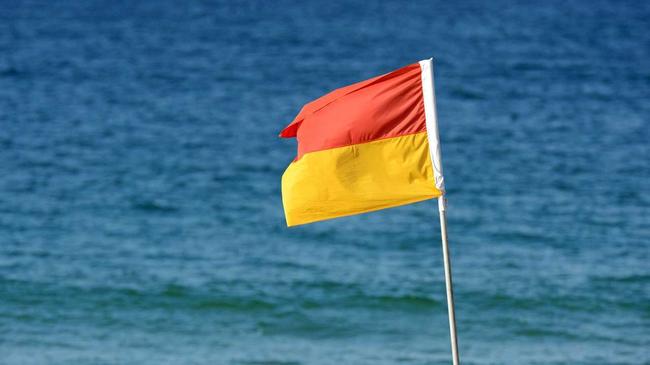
(364, 147)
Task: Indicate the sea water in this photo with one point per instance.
(141, 218)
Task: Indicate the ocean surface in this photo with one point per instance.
(140, 210)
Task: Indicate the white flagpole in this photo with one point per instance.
(442, 206)
(429, 95)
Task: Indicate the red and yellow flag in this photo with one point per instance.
(364, 147)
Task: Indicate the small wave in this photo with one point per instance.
(240, 304)
(528, 66)
(465, 94)
(267, 362)
(11, 72)
(412, 301)
(203, 300)
(539, 332)
(628, 279)
(154, 206)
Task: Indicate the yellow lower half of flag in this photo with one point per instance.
(358, 178)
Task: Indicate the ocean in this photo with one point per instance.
(141, 219)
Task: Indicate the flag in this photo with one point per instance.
(364, 147)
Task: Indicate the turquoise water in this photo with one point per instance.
(140, 211)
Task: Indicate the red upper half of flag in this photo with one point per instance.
(386, 106)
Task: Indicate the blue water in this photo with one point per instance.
(140, 210)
